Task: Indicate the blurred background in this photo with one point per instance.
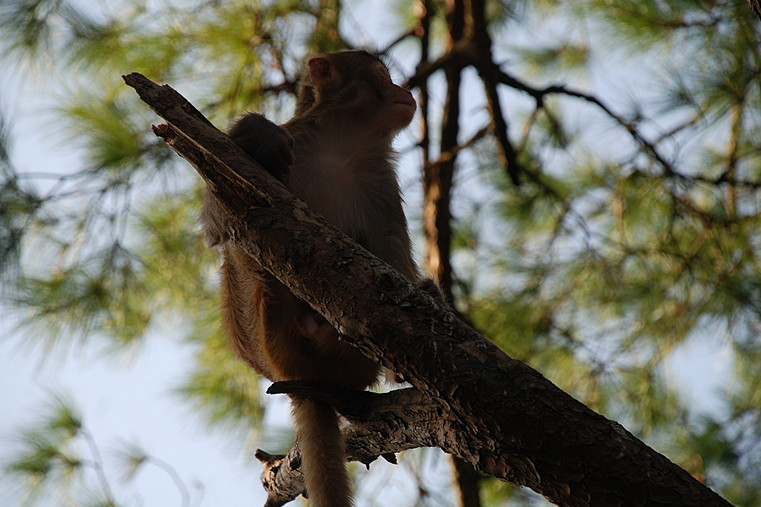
(582, 178)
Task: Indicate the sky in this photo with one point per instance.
(129, 401)
(129, 398)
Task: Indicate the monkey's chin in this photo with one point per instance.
(404, 112)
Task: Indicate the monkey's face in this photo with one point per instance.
(398, 105)
(359, 83)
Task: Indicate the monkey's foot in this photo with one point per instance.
(345, 401)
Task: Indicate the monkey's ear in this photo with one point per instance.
(321, 71)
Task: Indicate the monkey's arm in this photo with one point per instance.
(269, 145)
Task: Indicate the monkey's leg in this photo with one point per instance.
(323, 453)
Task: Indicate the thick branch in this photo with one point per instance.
(503, 417)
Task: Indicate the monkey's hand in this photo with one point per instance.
(344, 400)
(267, 143)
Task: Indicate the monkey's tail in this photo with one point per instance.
(323, 453)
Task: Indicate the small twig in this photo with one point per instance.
(174, 476)
(97, 465)
(540, 93)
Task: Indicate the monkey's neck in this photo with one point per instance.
(346, 131)
(352, 184)
(338, 151)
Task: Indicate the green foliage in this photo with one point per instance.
(614, 259)
(101, 294)
(113, 142)
(564, 56)
(132, 459)
(635, 230)
(51, 455)
(18, 202)
(58, 455)
(221, 386)
(33, 27)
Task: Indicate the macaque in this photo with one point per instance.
(336, 155)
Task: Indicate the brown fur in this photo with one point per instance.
(342, 167)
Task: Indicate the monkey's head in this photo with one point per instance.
(357, 83)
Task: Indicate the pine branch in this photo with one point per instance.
(492, 411)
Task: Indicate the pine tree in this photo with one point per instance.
(590, 179)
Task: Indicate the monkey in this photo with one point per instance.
(336, 155)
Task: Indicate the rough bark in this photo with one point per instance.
(755, 6)
(376, 425)
(497, 413)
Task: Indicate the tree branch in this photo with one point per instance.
(755, 6)
(538, 95)
(496, 412)
(489, 72)
(375, 425)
